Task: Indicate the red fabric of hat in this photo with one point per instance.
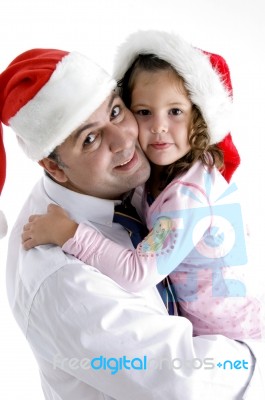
(231, 157)
(230, 152)
(24, 77)
(2, 161)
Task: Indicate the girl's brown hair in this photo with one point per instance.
(199, 138)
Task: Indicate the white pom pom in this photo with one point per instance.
(3, 225)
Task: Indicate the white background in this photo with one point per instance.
(233, 28)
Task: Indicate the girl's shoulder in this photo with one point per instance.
(195, 175)
(198, 179)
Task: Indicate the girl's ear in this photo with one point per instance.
(53, 169)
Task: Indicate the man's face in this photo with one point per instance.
(102, 158)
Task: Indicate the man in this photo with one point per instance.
(91, 338)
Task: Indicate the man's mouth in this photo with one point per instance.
(129, 163)
(126, 162)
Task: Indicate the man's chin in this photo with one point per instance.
(140, 176)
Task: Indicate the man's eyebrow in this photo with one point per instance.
(78, 132)
(113, 97)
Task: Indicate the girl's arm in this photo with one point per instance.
(155, 257)
(123, 265)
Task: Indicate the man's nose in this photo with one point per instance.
(120, 139)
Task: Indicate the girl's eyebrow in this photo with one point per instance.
(172, 104)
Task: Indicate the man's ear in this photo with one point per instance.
(53, 169)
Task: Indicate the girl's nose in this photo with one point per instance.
(159, 125)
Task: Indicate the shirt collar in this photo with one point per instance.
(81, 207)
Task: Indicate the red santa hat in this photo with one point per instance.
(206, 77)
(45, 94)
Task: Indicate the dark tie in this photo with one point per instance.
(126, 215)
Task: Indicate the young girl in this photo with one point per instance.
(196, 233)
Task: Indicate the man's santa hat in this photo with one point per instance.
(3, 223)
(45, 94)
(206, 77)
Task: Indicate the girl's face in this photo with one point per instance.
(164, 113)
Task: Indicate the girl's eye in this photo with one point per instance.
(175, 111)
(90, 139)
(142, 112)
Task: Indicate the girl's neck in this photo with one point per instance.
(154, 182)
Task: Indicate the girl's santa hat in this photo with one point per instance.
(45, 94)
(206, 77)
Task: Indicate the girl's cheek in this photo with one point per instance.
(141, 138)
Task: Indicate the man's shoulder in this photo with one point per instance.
(27, 272)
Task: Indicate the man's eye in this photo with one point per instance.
(90, 139)
(175, 111)
(115, 112)
(142, 112)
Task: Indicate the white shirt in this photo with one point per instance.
(94, 340)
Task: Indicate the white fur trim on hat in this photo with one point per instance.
(74, 91)
(202, 82)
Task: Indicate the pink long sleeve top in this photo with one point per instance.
(197, 238)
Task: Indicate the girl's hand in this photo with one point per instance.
(55, 227)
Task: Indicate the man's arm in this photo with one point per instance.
(89, 327)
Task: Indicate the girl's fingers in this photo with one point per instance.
(25, 236)
(34, 217)
(54, 208)
(26, 227)
(28, 244)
